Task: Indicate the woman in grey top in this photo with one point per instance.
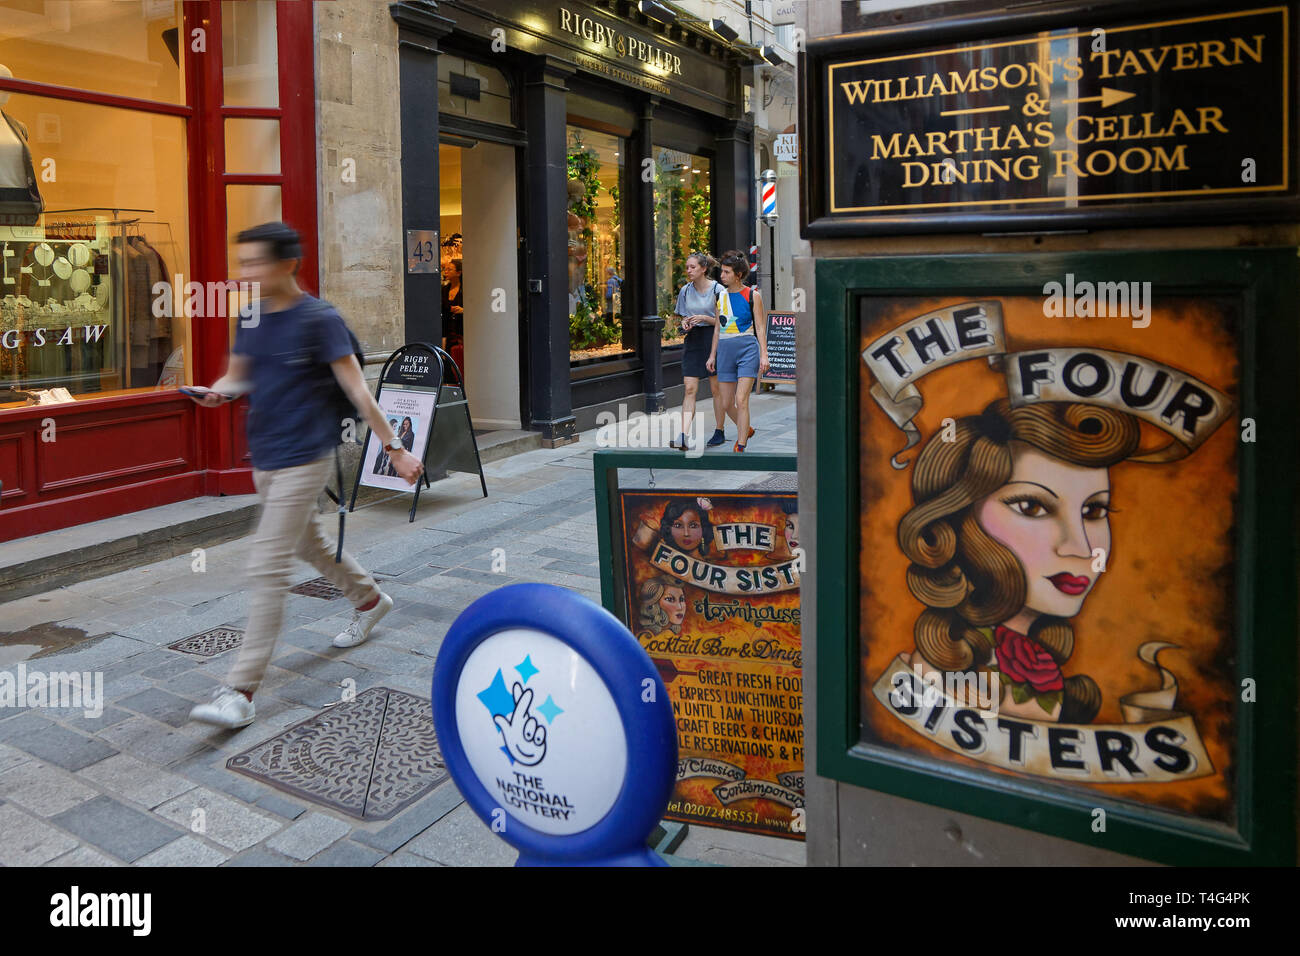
(697, 310)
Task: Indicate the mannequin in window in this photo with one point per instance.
(20, 198)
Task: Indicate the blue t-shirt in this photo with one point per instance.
(289, 422)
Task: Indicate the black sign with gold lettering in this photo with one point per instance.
(1183, 115)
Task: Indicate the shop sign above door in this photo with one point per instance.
(1183, 117)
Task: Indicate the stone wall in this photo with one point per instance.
(358, 118)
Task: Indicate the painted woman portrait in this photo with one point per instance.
(787, 526)
(661, 603)
(1010, 519)
(686, 526)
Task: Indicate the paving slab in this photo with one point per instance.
(28, 841)
(462, 839)
(84, 856)
(309, 835)
(187, 851)
(43, 790)
(223, 820)
(135, 780)
(53, 743)
(115, 828)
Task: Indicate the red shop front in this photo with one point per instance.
(135, 140)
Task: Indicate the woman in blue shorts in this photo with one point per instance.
(697, 309)
(739, 343)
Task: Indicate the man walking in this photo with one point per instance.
(287, 356)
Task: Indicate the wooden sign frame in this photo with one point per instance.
(768, 379)
(1008, 211)
(1261, 283)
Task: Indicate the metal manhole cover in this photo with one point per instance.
(318, 588)
(210, 643)
(369, 758)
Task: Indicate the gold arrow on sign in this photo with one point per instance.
(1108, 97)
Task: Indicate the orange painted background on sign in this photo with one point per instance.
(1170, 573)
(694, 799)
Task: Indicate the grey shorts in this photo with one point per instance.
(737, 357)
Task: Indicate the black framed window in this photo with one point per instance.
(597, 214)
(683, 223)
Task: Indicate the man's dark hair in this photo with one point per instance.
(283, 239)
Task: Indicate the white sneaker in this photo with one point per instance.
(362, 621)
(228, 708)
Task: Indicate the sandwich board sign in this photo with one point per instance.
(422, 394)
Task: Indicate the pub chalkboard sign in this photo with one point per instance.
(1052, 119)
(780, 348)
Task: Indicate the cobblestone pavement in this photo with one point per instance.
(140, 784)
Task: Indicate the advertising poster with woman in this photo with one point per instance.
(1047, 516)
(713, 597)
(409, 413)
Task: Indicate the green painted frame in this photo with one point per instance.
(606, 465)
(1267, 282)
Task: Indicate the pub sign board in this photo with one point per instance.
(1052, 120)
(712, 595)
(781, 350)
(1074, 545)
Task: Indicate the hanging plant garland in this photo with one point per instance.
(698, 200)
(615, 221)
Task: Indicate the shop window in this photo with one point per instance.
(246, 207)
(683, 208)
(253, 146)
(598, 328)
(83, 250)
(126, 49)
(248, 53)
(470, 89)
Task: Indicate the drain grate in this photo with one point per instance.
(318, 588)
(369, 758)
(210, 643)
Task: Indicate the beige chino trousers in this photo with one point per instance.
(289, 527)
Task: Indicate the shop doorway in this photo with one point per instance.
(480, 273)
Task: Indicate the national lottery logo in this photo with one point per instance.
(523, 735)
(565, 759)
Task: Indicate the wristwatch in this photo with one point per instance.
(394, 444)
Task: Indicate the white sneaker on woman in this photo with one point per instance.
(228, 708)
(362, 621)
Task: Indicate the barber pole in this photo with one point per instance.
(768, 202)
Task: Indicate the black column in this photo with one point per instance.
(547, 306)
(734, 187)
(649, 328)
(419, 27)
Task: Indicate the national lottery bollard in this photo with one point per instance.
(556, 727)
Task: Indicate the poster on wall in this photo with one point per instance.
(1047, 562)
(712, 591)
(410, 414)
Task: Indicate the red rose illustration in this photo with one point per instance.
(1023, 661)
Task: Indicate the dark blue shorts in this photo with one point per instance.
(737, 357)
